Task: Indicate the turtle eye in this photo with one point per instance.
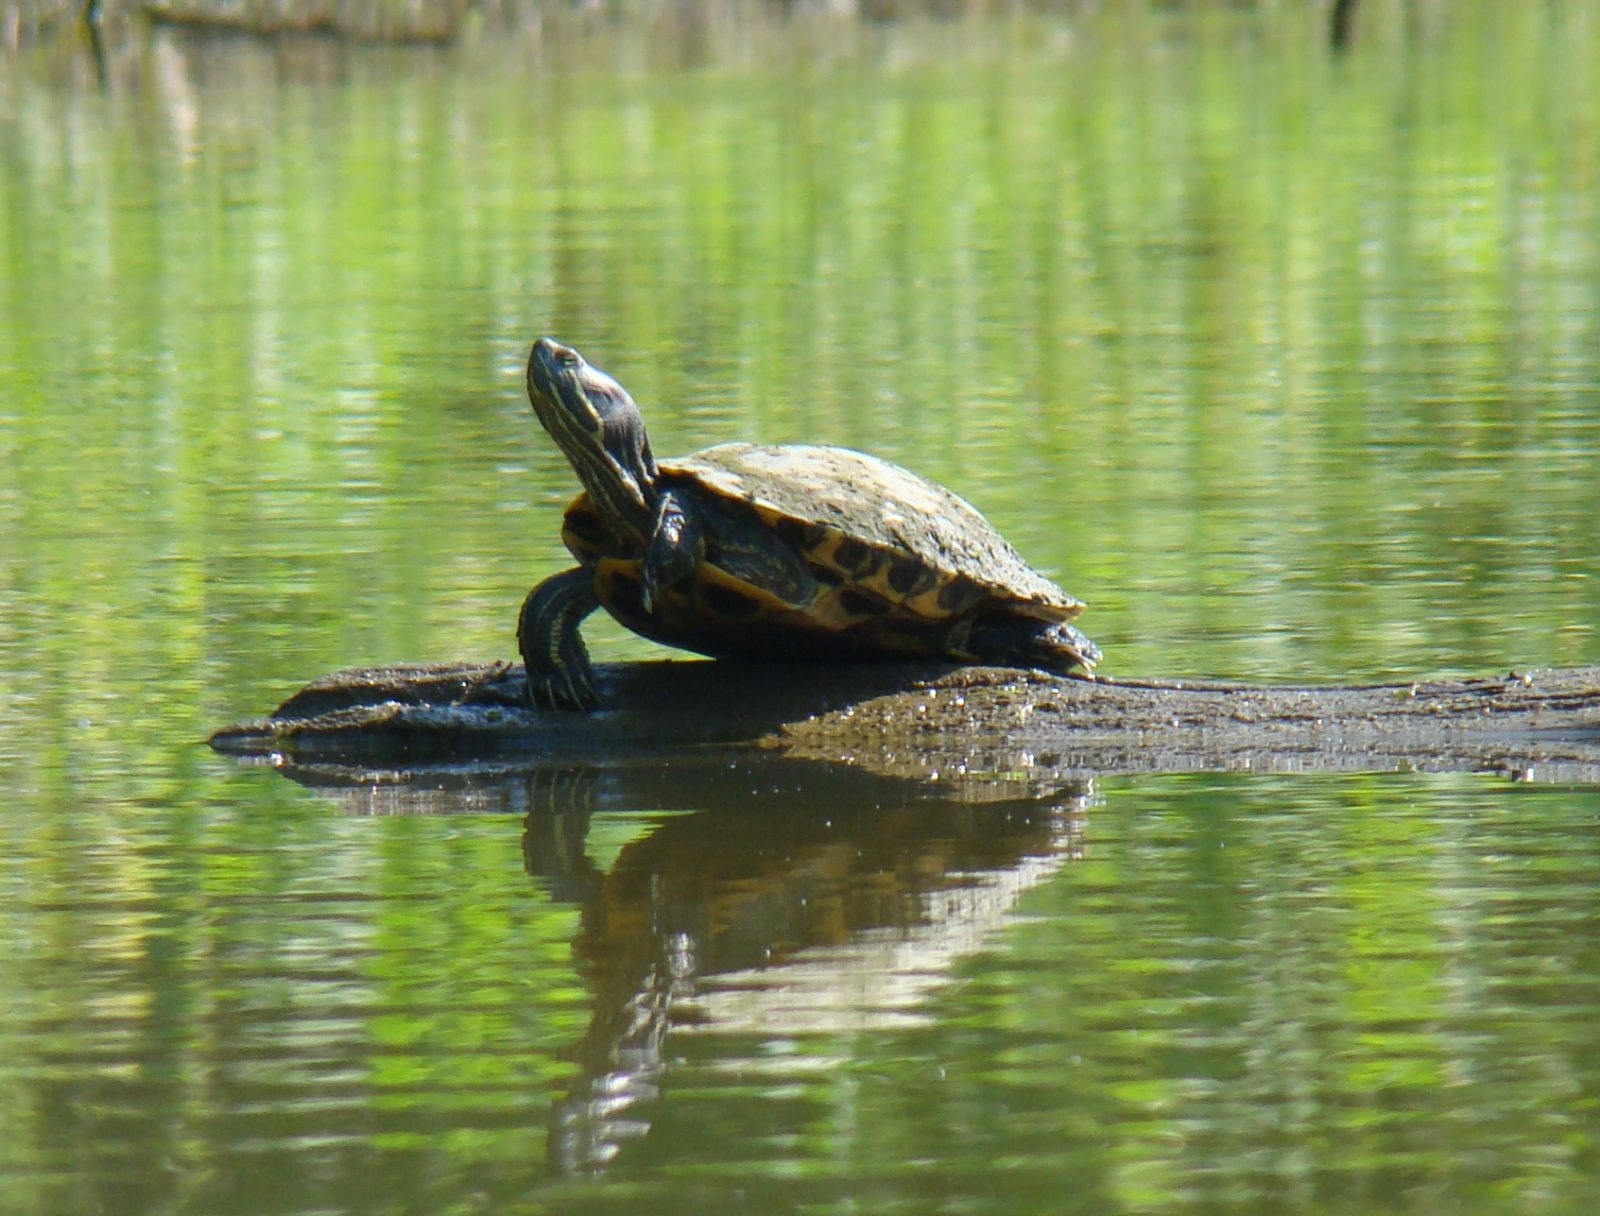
(567, 357)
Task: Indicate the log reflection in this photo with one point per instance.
(773, 919)
(774, 898)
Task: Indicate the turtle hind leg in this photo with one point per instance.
(560, 675)
(1019, 641)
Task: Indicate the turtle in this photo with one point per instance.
(794, 551)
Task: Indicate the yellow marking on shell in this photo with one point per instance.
(876, 580)
(709, 575)
(690, 605)
(863, 607)
(824, 487)
(921, 599)
(871, 576)
(925, 601)
(609, 569)
(616, 586)
(830, 613)
(826, 554)
(900, 621)
(583, 547)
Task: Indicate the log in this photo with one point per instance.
(921, 724)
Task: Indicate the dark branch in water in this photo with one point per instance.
(1342, 25)
(97, 47)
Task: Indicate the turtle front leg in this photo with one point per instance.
(560, 675)
(676, 546)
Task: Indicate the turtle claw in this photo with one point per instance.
(563, 690)
(553, 653)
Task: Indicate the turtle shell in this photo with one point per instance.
(874, 561)
(876, 528)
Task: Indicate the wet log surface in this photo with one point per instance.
(1001, 731)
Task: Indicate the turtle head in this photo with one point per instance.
(599, 430)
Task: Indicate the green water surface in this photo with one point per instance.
(1288, 364)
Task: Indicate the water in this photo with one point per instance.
(1286, 365)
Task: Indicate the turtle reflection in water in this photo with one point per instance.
(793, 551)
